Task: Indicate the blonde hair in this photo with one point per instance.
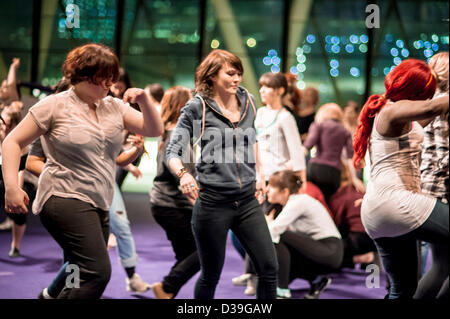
(439, 67)
(329, 111)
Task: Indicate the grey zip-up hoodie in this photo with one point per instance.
(227, 157)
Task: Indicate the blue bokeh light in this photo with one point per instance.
(405, 53)
(275, 60)
(267, 60)
(354, 71)
(336, 48)
(334, 72)
(397, 60)
(311, 38)
(275, 69)
(394, 52)
(349, 48)
(400, 43)
(334, 63)
(428, 53)
(272, 53)
(354, 39)
(364, 38)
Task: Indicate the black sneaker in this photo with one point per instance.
(14, 252)
(316, 289)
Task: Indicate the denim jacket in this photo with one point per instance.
(226, 158)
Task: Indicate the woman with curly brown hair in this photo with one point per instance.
(82, 133)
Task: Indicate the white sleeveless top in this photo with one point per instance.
(393, 204)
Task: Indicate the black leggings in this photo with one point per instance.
(300, 256)
(176, 222)
(82, 231)
(327, 178)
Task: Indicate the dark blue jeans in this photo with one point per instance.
(210, 224)
(400, 257)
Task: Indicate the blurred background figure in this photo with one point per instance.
(156, 93)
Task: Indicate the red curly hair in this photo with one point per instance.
(410, 80)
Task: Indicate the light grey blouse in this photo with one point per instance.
(81, 153)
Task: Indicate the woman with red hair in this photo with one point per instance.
(394, 212)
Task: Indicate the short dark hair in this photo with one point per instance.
(157, 91)
(274, 81)
(92, 62)
(210, 66)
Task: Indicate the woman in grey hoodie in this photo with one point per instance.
(220, 119)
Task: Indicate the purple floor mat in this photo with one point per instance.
(24, 277)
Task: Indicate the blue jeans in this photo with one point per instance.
(120, 227)
(400, 259)
(210, 224)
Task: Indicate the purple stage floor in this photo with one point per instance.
(24, 277)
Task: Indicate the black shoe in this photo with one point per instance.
(316, 289)
(14, 252)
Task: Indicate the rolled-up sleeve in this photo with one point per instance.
(179, 142)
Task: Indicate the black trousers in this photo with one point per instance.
(211, 222)
(300, 256)
(326, 177)
(356, 243)
(177, 225)
(82, 232)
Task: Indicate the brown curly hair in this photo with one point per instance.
(91, 62)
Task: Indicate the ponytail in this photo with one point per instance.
(410, 80)
(361, 138)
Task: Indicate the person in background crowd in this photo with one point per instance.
(307, 242)
(156, 92)
(330, 138)
(171, 209)
(435, 170)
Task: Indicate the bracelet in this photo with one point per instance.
(181, 172)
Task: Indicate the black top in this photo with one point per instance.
(165, 191)
(305, 122)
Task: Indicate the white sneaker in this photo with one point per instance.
(241, 280)
(136, 284)
(7, 224)
(251, 286)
